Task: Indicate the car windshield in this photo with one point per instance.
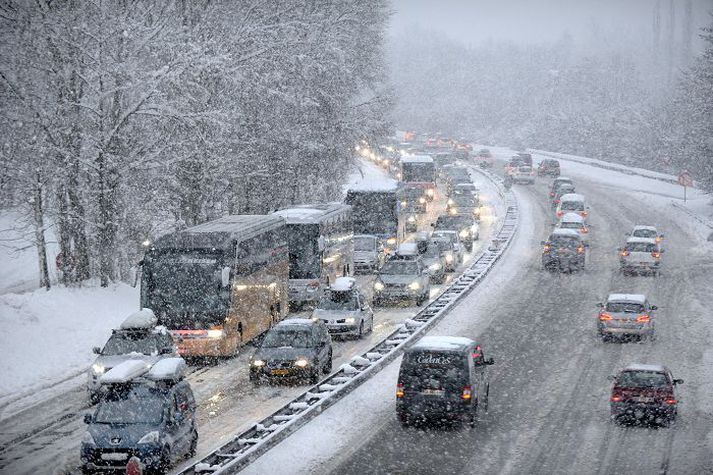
(399, 268)
(138, 405)
(644, 233)
(642, 379)
(433, 250)
(625, 307)
(122, 343)
(564, 241)
(450, 237)
(289, 337)
(364, 244)
(641, 247)
(339, 301)
(570, 225)
(572, 206)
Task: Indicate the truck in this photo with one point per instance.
(375, 213)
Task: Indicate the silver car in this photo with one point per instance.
(402, 279)
(344, 310)
(454, 253)
(640, 255)
(138, 338)
(626, 315)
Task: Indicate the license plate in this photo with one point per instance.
(433, 392)
(280, 372)
(115, 456)
(643, 399)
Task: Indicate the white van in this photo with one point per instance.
(572, 203)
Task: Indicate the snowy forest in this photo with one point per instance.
(645, 102)
(125, 119)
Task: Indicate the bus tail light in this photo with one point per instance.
(467, 393)
(671, 401)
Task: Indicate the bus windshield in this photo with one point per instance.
(185, 284)
(364, 244)
(304, 251)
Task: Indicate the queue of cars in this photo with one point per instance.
(639, 391)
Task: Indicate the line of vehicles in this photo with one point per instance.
(210, 289)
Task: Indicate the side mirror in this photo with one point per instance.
(600, 305)
(677, 381)
(88, 418)
(96, 350)
(653, 307)
(490, 361)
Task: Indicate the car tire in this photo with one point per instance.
(404, 421)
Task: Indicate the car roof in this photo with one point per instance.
(144, 319)
(634, 239)
(565, 232)
(343, 284)
(571, 218)
(642, 226)
(407, 249)
(657, 368)
(447, 343)
(572, 197)
(465, 185)
(294, 322)
(637, 298)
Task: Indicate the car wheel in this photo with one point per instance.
(193, 447)
(94, 398)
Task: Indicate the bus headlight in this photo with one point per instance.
(378, 286)
(414, 285)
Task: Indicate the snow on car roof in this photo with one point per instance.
(144, 319)
(572, 197)
(407, 249)
(565, 232)
(637, 298)
(442, 343)
(657, 368)
(343, 284)
(125, 372)
(416, 159)
(168, 369)
(295, 321)
(635, 239)
(563, 178)
(572, 218)
(642, 227)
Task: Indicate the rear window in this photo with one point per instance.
(572, 206)
(644, 233)
(641, 247)
(624, 307)
(570, 225)
(434, 370)
(642, 379)
(564, 241)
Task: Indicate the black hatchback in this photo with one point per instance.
(442, 378)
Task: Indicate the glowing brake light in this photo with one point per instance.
(400, 390)
(656, 254)
(615, 398)
(467, 393)
(560, 214)
(584, 230)
(624, 253)
(584, 214)
(643, 318)
(671, 401)
(605, 317)
(556, 202)
(580, 249)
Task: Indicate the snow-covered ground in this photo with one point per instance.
(48, 336)
(368, 176)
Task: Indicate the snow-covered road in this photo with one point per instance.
(549, 393)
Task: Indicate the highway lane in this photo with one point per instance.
(549, 393)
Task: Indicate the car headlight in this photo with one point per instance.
(215, 333)
(449, 258)
(430, 192)
(422, 200)
(301, 363)
(454, 211)
(88, 439)
(403, 204)
(98, 368)
(258, 363)
(349, 320)
(150, 438)
(450, 202)
(391, 241)
(435, 266)
(378, 286)
(464, 233)
(414, 285)
(411, 219)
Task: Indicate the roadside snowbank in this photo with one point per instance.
(369, 176)
(48, 335)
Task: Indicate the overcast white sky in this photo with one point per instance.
(533, 21)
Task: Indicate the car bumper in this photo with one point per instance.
(103, 459)
(563, 262)
(626, 331)
(343, 328)
(396, 294)
(442, 409)
(293, 372)
(640, 266)
(642, 410)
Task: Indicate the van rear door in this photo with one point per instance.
(433, 380)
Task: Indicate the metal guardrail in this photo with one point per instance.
(265, 434)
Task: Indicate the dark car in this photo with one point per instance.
(548, 167)
(559, 181)
(434, 259)
(644, 392)
(443, 378)
(298, 348)
(563, 189)
(150, 414)
(464, 224)
(563, 251)
(526, 158)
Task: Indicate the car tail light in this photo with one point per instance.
(399, 391)
(584, 214)
(624, 253)
(643, 318)
(556, 202)
(467, 393)
(616, 397)
(552, 195)
(580, 249)
(584, 230)
(671, 401)
(560, 214)
(605, 317)
(547, 248)
(656, 254)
